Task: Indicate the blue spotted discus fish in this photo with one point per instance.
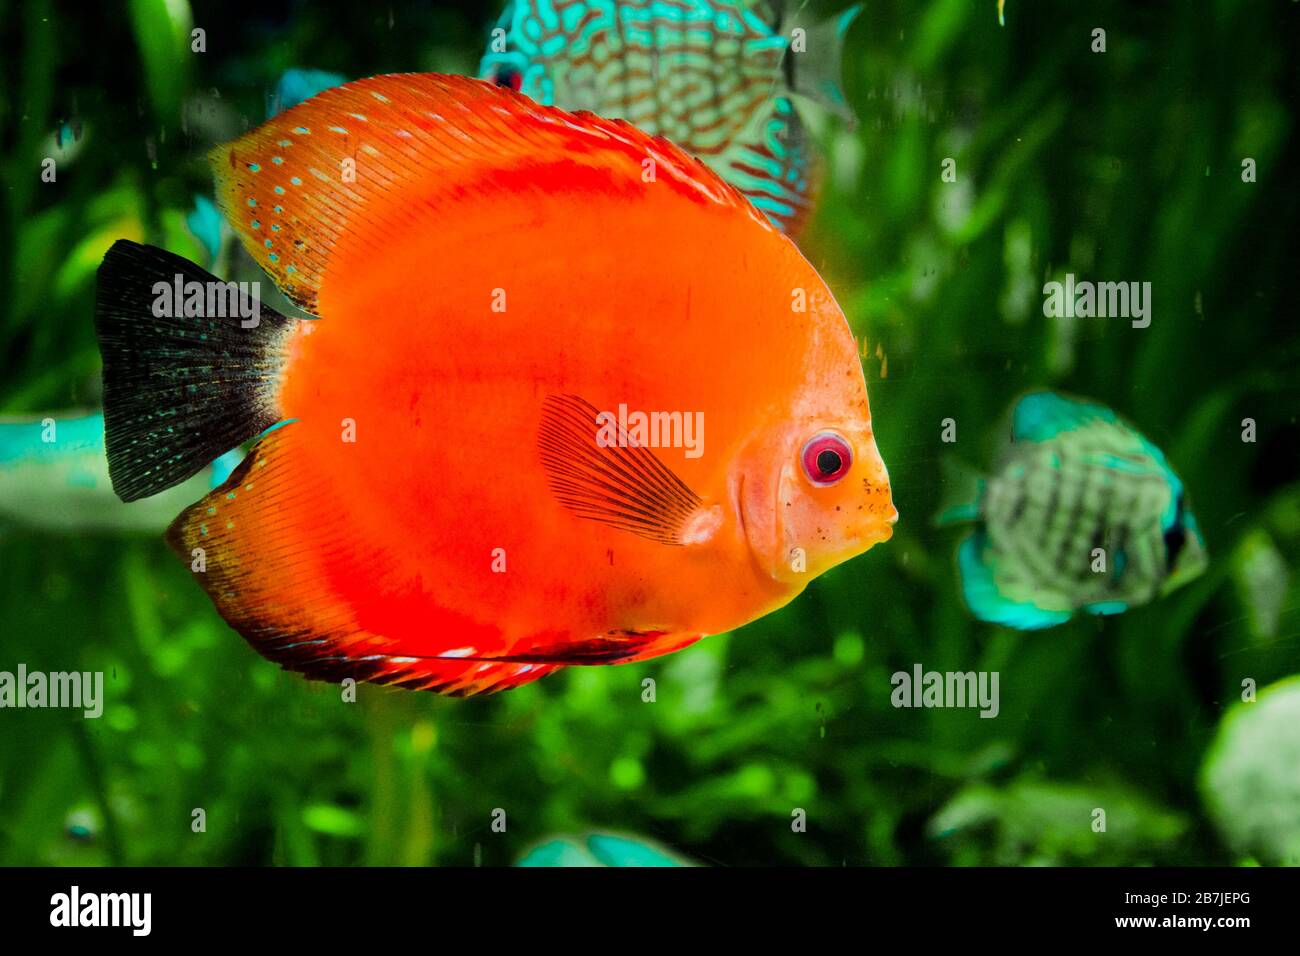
(1081, 513)
(600, 849)
(710, 75)
(54, 477)
(297, 85)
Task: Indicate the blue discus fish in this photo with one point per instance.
(54, 477)
(298, 85)
(206, 225)
(600, 849)
(710, 75)
(1081, 512)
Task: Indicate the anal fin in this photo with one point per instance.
(273, 552)
(613, 647)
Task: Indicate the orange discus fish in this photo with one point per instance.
(568, 398)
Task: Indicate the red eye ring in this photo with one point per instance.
(826, 458)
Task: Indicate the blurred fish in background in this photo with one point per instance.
(600, 849)
(298, 85)
(54, 477)
(716, 77)
(208, 226)
(1073, 479)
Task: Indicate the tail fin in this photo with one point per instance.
(963, 487)
(191, 366)
(815, 70)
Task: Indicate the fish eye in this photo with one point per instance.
(826, 458)
(1176, 535)
(1175, 538)
(509, 76)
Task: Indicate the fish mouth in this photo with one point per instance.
(890, 520)
(859, 540)
(883, 530)
(837, 537)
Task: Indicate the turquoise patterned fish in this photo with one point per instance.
(1081, 513)
(297, 85)
(710, 75)
(600, 849)
(206, 225)
(774, 165)
(54, 477)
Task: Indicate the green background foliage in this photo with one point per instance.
(1125, 165)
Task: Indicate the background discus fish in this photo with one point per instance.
(774, 164)
(600, 849)
(711, 75)
(448, 506)
(54, 477)
(1073, 478)
(297, 85)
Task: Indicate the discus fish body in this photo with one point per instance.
(713, 76)
(600, 849)
(439, 509)
(54, 477)
(297, 85)
(1081, 513)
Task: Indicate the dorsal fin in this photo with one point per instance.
(360, 156)
(1041, 416)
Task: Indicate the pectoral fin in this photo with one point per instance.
(618, 482)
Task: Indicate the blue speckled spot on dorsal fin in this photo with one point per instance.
(1040, 416)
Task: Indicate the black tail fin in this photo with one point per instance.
(180, 389)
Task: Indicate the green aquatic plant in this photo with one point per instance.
(1251, 777)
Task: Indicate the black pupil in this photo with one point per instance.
(1176, 536)
(828, 462)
